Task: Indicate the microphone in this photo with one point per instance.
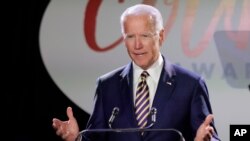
(115, 112)
(153, 113)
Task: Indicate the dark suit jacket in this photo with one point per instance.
(181, 105)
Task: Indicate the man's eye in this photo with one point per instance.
(145, 35)
(130, 36)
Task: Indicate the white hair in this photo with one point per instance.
(140, 9)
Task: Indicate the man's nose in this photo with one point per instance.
(138, 42)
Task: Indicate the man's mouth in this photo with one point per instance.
(139, 54)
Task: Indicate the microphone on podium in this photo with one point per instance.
(114, 114)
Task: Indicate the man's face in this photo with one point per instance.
(142, 40)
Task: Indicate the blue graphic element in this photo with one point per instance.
(234, 53)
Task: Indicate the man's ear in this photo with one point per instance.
(162, 37)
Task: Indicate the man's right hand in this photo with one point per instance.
(205, 131)
(67, 130)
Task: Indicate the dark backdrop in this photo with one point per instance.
(35, 96)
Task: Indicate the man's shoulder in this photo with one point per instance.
(113, 73)
(184, 72)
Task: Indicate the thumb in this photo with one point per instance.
(208, 120)
(70, 113)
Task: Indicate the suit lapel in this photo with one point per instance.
(127, 93)
(165, 86)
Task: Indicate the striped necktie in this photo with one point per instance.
(142, 101)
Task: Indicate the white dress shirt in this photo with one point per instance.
(152, 80)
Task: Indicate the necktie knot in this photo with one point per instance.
(144, 75)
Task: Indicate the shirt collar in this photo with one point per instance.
(154, 70)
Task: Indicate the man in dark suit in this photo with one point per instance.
(180, 96)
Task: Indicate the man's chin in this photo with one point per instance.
(141, 65)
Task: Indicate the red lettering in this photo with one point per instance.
(172, 16)
(90, 27)
(224, 7)
(90, 22)
(241, 37)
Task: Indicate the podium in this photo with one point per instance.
(130, 134)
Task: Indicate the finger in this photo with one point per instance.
(208, 120)
(59, 131)
(210, 129)
(209, 132)
(65, 135)
(56, 123)
(208, 137)
(70, 113)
